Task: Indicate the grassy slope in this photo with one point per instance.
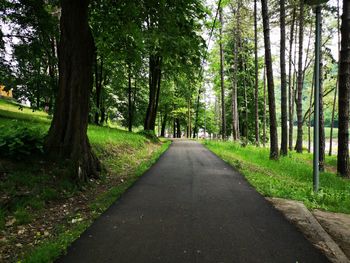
(30, 185)
(290, 177)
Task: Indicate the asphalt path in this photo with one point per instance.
(191, 207)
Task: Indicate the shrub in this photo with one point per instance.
(18, 140)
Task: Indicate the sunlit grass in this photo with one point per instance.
(290, 177)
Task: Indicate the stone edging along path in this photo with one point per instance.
(313, 226)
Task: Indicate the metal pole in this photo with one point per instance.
(317, 101)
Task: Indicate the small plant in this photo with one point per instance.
(22, 216)
(2, 219)
(16, 141)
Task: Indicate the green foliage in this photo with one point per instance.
(290, 177)
(17, 140)
(150, 135)
(22, 216)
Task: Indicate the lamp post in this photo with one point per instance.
(316, 153)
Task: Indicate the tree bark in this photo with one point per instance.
(336, 88)
(310, 105)
(290, 84)
(178, 128)
(344, 94)
(130, 108)
(264, 116)
(321, 117)
(270, 83)
(284, 119)
(256, 74)
(98, 84)
(155, 63)
(235, 116)
(299, 143)
(164, 121)
(67, 136)
(223, 112)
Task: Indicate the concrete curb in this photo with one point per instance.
(298, 214)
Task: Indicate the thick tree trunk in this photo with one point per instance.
(67, 136)
(336, 88)
(270, 83)
(164, 122)
(344, 93)
(223, 112)
(155, 63)
(174, 128)
(284, 119)
(299, 143)
(178, 128)
(256, 74)
(290, 84)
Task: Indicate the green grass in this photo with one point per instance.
(51, 249)
(290, 177)
(29, 182)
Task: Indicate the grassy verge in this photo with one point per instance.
(290, 177)
(41, 210)
(51, 249)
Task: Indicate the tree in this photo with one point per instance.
(256, 74)
(291, 82)
(284, 126)
(270, 83)
(67, 136)
(222, 84)
(344, 94)
(299, 143)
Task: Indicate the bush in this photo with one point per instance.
(18, 140)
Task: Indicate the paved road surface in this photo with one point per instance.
(192, 207)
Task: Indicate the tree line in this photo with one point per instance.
(143, 64)
(255, 106)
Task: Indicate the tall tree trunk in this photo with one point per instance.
(290, 84)
(322, 138)
(344, 93)
(264, 116)
(196, 128)
(130, 108)
(284, 119)
(310, 105)
(178, 128)
(67, 136)
(155, 63)
(245, 105)
(235, 116)
(164, 122)
(256, 74)
(174, 128)
(336, 88)
(299, 143)
(270, 83)
(321, 116)
(223, 112)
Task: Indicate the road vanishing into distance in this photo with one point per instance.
(192, 207)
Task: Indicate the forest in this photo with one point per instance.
(227, 70)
